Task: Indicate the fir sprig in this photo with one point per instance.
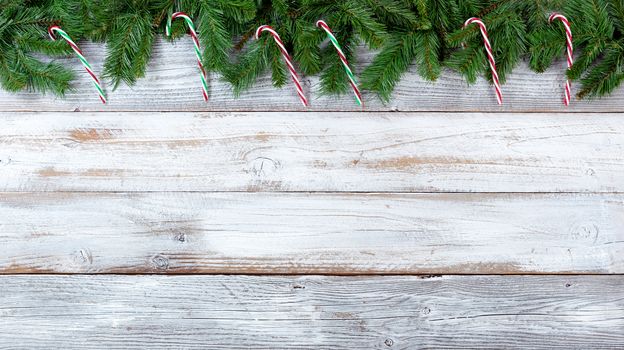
(23, 28)
(129, 47)
(417, 38)
(599, 37)
(386, 69)
(250, 66)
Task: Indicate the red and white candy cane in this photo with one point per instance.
(193, 33)
(287, 59)
(352, 80)
(56, 29)
(569, 51)
(490, 56)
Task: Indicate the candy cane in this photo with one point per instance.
(193, 34)
(286, 56)
(352, 80)
(491, 60)
(81, 57)
(570, 52)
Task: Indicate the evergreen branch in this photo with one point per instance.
(445, 16)
(129, 48)
(388, 66)
(240, 11)
(544, 47)
(45, 77)
(616, 9)
(428, 55)
(392, 13)
(250, 66)
(508, 37)
(11, 79)
(76, 15)
(606, 76)
(29, 43)
(461, 36)
(470, 8)
(588, 55)
(278, 68)
(307, 49)
(364, 25)
(470, 62)
(214, 37)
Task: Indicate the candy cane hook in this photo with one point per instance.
(193, 33)
(490, 56)
(56, 29)
(287, 59)
(569, 52)
(352, 80)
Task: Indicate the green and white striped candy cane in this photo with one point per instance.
(193, 34)
(56, 29)
(352, 80)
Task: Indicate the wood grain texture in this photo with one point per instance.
(236, 312)
(280, 151)
(172, 84)
(137, 191)
(240, 233)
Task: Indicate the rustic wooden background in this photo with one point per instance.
(439, 220)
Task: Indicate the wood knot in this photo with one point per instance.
(262, 166)
(84, 257)
(160, 262)
(588, 231)
(426, 310)
(4, 161)
(389, 342)
(180, 237)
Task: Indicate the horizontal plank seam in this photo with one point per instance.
(313, 111)
(321, 192)
(424, 276)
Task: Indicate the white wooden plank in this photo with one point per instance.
(369, 152)
(311, 233)
(171, 84)
(242, 312)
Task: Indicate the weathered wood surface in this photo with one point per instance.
(311, 233)
(280, 151)
(136, 191)
(172, 84)
(226, 312)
